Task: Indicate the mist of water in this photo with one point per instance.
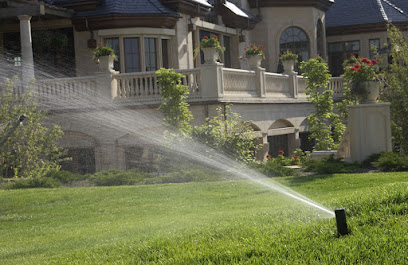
(104, 116)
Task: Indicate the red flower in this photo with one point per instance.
(365, 60)
(268, 156)
(359, 70)
(100, 43)
(351, 55)
(297, 163)
(206, 37)
(281, 152)
(357, 66)
(280, 54)
(261, 47)
(215, 37)
(374, 61)
(353, 69)
(294, 156)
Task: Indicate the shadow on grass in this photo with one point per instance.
(298, 180)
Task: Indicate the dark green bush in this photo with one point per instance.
(193, 175)
(65, 176)
(273, 169)
(27, 183)
(329, 165)
(389, 161)
(118, 177)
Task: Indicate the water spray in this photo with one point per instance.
(341, 221)
(16, 122)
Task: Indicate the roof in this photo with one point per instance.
(126, 7)
(357, 12)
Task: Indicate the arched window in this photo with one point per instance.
(295, 39)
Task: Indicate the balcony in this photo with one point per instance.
(209, 83)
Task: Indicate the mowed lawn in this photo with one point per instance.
(226, 222)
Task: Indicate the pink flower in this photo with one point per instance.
(281, 152)
(261, 47)
(215, 37)
(206, 37)
(374, 61)
(268, 156)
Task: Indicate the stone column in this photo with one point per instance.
(26, 48)
(369, 128)
(212, 85)
(260, 82)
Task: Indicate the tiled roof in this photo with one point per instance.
(357, 12)
(125, 7)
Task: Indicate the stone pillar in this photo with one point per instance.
(260, 82)
(26, 48)
(212, 85)
(369, 128)
(107, 85)
(293, 84)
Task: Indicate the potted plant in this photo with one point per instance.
(288, 60)
(104, 55)
(211, 48)
(254, 54)
(363, 79)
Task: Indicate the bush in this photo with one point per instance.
(117, 177)
(274, 169)
(330, 165)
(194, 175)
(390, 161)
(65, 176)
(27, 183)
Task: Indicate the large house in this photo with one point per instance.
(55, 39)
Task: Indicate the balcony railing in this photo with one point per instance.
(208, 83)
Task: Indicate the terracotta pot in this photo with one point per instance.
(254, 61)
(210, 55)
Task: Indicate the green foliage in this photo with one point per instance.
(28, 183)
(103, 50)
(31, 151)
(255, 50)
(116, 177)
(325, 125)
(65, 177)
(227, 133)
(396, 88)
(329, 165)
(175, 108)
(211, 42)
(389, 161)
(288, 55)
(274, 168)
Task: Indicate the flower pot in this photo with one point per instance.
(367, 92)
(254, 61)
(106, 63)
(210, 55)
(288, 66)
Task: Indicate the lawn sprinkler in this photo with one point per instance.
(341, 221)
(16, 122)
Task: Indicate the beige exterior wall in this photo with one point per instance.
(274, 21)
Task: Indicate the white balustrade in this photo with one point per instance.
(277, 84)
(64, 88)
(239, 82)
(337, 85)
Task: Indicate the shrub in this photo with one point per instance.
(330, 165)
(65, 176)
(390, 161)
(117, 177)
(275, 169)
(194, 175)
(38, 182)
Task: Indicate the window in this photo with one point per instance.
(139, 53)
(150, 54)
(338, 52)
(295, 40)
(374, 43)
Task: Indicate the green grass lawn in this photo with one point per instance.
(227, 222)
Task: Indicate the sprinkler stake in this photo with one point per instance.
(342, 229)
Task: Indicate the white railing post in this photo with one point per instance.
(293, 84)
(107, 85)
(260, 82)
(212, 84)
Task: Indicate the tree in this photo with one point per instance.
(175, 110)
(31, 150)
(325, 125)
(396, 88)
(225, 132)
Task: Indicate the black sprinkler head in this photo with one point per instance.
(22, 117)
(341, 221)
